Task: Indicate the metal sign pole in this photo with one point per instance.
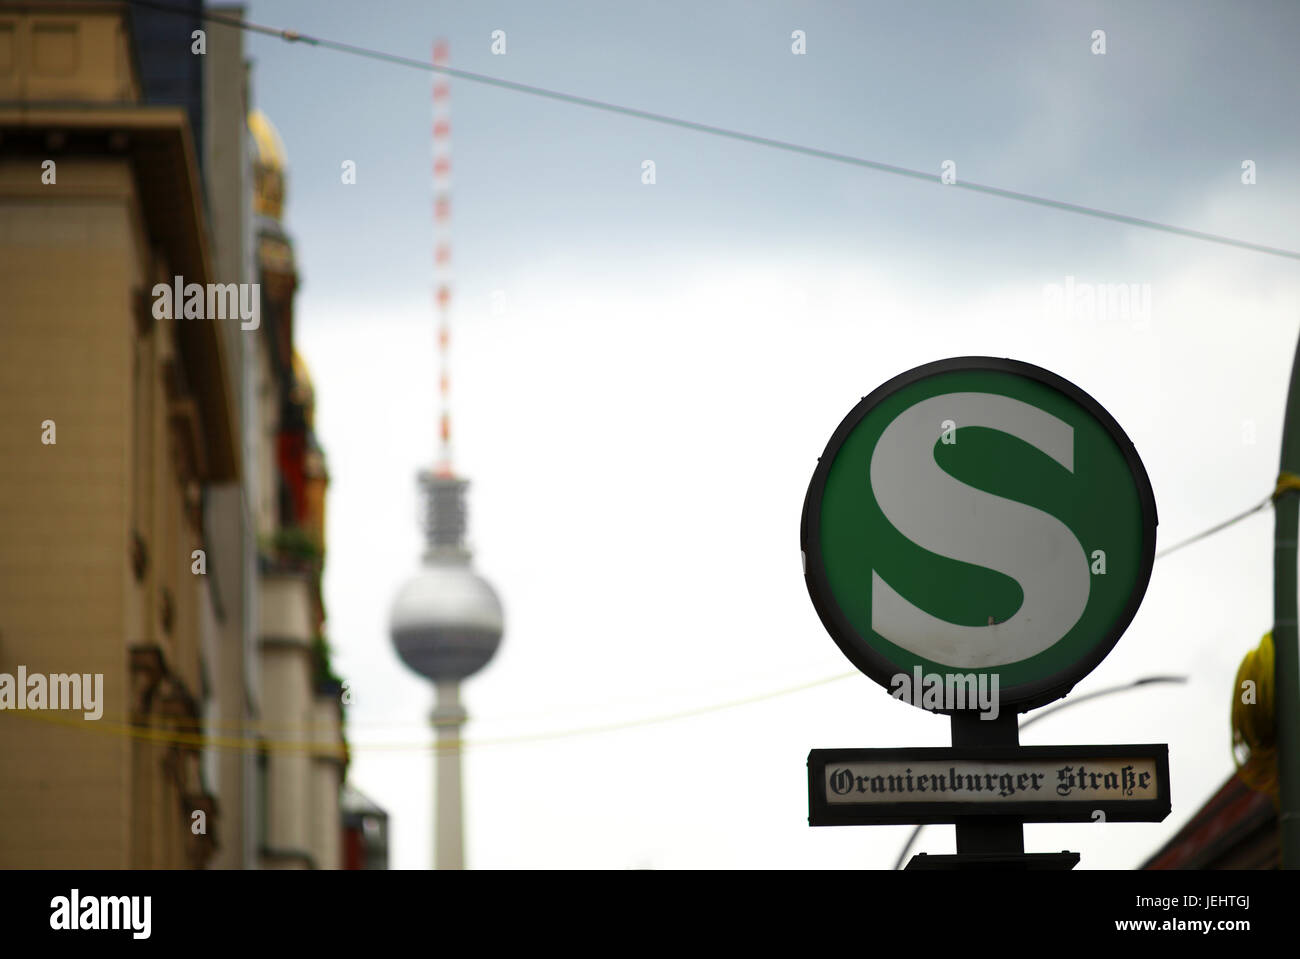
(1286, 640)
(988, 834)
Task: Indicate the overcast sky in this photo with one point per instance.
(645, 375)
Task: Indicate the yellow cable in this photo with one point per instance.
(198, 740)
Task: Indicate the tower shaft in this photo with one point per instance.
(448, 720)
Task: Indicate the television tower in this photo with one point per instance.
(446, 621)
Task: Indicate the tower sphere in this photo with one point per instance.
(446, 621)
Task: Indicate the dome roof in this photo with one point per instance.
(270, 148)
(268, 166)
(304, 391)
(446, 621)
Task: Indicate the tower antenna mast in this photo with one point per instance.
(442, 271)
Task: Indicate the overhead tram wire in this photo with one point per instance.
(1215, 529)
(294, 36)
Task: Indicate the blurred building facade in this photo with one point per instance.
(162, 495)
(365, 832)
(301, 699)
(1237, 828)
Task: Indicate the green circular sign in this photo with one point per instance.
(978, 518)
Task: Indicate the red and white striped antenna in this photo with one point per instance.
(442, 274)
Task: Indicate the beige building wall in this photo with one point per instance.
(66, 329)
(97, 527)
(72, 258)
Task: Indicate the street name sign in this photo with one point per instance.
(1119, 783)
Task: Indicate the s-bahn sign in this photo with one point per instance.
(980, 519)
